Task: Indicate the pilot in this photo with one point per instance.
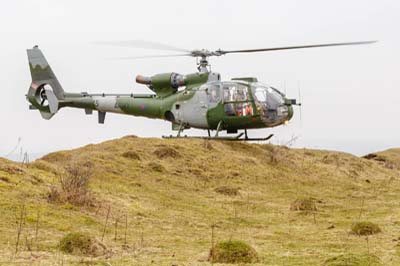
(230, 109)
(249, 109)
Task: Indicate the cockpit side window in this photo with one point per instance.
(265, 93)
(261, 95)
(215, 93)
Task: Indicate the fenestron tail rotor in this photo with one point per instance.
(43, 97)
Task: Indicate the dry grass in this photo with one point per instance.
(170, 203)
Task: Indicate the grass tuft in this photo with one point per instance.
(228, 191)
(365, 228)
(303, 204)
(156, 167)
(353, 260)
(5, 179)
(44, 166)
(166, 152)
(233, 251)
(81, 244)
(131, 155)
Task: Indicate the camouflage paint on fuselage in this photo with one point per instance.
(205, 102)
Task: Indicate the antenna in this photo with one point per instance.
(284, 86)
(300, 103)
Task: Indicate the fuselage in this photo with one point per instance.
(198, 100)
(239, 104)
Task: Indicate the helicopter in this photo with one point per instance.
(198, 100)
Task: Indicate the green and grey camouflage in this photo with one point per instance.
(198, 100)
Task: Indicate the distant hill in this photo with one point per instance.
(163, 196)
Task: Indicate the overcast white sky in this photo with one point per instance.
(350, 95)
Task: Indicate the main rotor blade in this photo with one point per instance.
(149, 56)
(144, 44)
(293, 47)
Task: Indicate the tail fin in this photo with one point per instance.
(44, 86)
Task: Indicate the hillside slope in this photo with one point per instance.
(173, 191)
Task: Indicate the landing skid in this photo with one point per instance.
(228, 138)
(238, 137)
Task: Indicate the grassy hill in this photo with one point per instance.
(163, 202)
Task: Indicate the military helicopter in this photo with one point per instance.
(198, 100)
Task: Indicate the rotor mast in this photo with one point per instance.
(203, 66)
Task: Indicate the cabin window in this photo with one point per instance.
(235, 92)
(236, 97)
(239, 109)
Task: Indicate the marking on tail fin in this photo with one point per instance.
(42, 73)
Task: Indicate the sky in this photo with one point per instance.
(350, 95)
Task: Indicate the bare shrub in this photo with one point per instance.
(74, 186)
